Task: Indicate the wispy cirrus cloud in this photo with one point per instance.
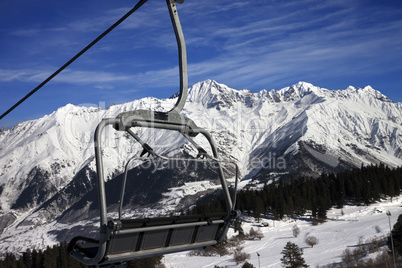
(244, 44)
(67, 76)
(325, 39)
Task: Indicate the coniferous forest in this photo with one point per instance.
(294, 198)
(279, 199)
(355, 187)
(57, 256)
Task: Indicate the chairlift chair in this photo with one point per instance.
(123, 239)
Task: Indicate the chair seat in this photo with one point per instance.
(139, 238)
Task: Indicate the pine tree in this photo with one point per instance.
(237, 227)
(321, 210)
(10, 261)
(247, 265)
(259, 208)
(36, 259)
(292, 256)
(27, 258)
(396, 236)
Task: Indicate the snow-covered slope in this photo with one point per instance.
(48, 164)
(345, 229)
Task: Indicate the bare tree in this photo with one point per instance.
(311, 240)
(255, 234)
(240, 256)
(296, 230)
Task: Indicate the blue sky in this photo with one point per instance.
(259, 44)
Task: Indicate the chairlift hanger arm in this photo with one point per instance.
(182, 55)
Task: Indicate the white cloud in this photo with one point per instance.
(67, 76)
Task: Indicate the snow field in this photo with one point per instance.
(337, 234)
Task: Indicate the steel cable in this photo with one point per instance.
(137, 6)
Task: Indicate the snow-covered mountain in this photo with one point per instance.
(48, 166)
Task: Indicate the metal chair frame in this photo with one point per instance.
(115, 235)
(126, 239)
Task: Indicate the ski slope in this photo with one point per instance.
(337, 234)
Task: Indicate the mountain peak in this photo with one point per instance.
(210, 93)
(208, 87)
(375, 93)
(368, 92)
(213, 94)
(299, 90)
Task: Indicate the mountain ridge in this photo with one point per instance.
(208, 93)
(298, 130)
